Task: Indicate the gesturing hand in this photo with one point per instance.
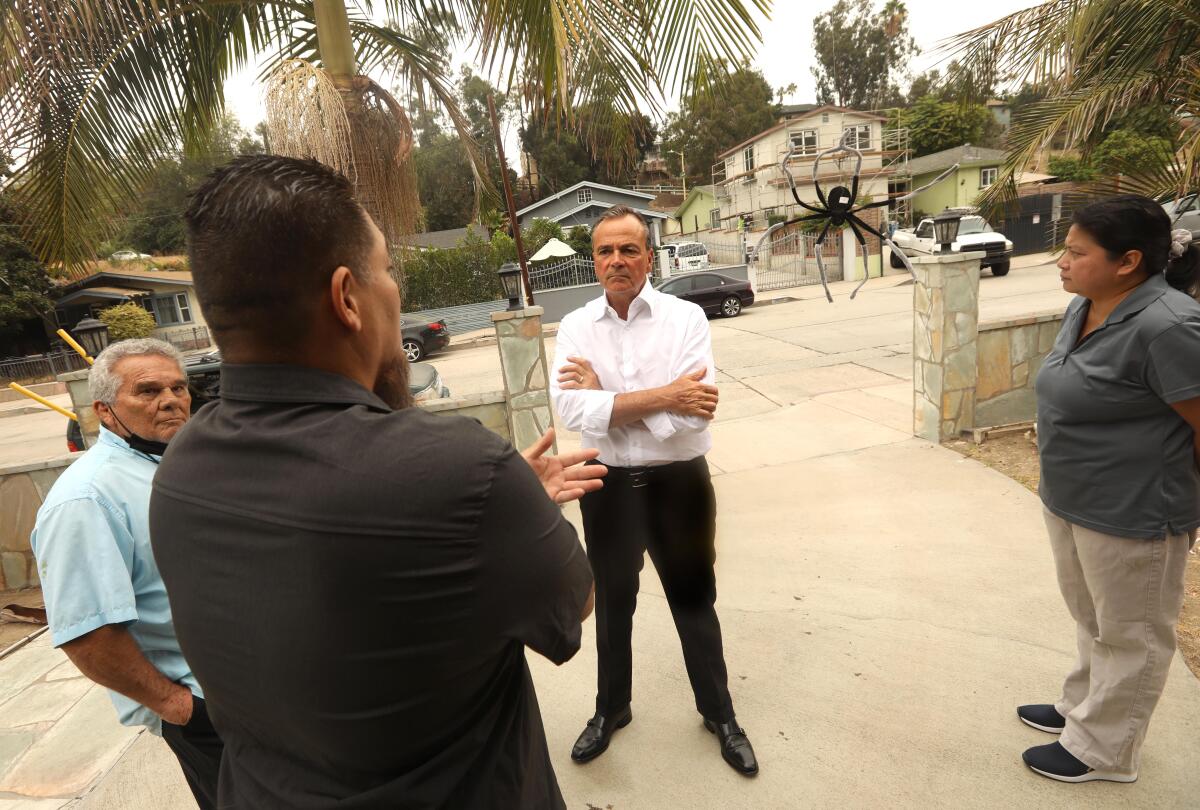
(564, 477)
(691, 397)
(578, 374)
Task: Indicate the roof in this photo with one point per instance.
(444, 240)
(181, 278)
(579, 185)
(790, 120)
(965, 155)
(646, 212)
(116, 294)
(692, 194)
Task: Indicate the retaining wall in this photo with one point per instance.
(1011, 352)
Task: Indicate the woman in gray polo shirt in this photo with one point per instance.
(1118, 420)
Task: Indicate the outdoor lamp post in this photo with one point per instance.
(510, 280)
(93, 334)
(945, 229)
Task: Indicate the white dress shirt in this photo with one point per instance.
(664, 338)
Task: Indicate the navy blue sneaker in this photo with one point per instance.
(1043, 717)
(1056, 762)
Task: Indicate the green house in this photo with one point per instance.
(978, 168)
(696, 212)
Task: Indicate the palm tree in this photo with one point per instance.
(93, 92)
(1098, 59)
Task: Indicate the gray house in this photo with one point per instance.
(583, 203)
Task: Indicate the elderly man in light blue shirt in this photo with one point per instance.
(106, 603)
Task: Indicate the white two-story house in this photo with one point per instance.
(751, 188)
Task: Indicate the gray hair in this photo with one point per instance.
(103, 383)
(620, 211)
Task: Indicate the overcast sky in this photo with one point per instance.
(785, 56)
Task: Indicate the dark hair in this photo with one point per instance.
(619, 211)
(264, 234)
(1132, 222)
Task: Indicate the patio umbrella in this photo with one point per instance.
(555, 248)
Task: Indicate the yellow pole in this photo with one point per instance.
(70, 341)
(20, 389)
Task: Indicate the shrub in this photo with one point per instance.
(126, 321)
(1069, 168)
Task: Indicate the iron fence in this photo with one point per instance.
(40, 367)
(790, 260)
(193, 337)
(572, 271)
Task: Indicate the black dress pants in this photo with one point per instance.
(670, 512)
(198, 749)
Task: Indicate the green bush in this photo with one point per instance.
(1069, 168)
(126, 321)
(580, 239)
(462, 275)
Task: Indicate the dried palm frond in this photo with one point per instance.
(306, 117)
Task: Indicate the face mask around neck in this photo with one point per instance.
(139, 443)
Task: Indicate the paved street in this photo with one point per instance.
(886, 605)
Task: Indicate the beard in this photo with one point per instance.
(391, 384)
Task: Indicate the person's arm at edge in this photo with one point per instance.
(110, 657)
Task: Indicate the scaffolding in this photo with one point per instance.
(728, 186)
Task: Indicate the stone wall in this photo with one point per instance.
(945, 307)
(22, 490)
(489, 409)
(526, 382)
(1011, 353)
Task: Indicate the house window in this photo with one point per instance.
(987, 176)
(585, 195)
(748, 158)
(171, 309)
(730, 171)
(824, 118)
(714, 218)
(804, 142)
(860, 136)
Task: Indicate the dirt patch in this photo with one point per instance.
(1015, 455)
(11, 632)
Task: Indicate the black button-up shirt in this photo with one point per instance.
(354, 588)
(1116, 457)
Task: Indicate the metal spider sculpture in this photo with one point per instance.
(838, 209)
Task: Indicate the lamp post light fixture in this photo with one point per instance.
(945, 229)
(510, 280)
(93, 334)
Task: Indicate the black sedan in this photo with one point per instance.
(423, 337)
(716, 294)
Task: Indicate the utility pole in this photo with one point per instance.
(682, 169)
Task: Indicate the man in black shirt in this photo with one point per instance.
(352, 580)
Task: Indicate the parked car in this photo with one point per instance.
(422, 338)
(974, 233)
(128, 256)
(1185, 213)
(715, 293)
(204, 384)
(686, 256)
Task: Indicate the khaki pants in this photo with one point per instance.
(1125, 596)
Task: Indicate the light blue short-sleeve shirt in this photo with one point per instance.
(92, 543)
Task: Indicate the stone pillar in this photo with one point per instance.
(945, 328)
(526, 384)
(81, 404)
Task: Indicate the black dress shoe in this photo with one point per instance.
(597, 733)
(735, 746)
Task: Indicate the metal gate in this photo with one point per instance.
(790, 260)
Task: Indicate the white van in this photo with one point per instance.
(687, 256)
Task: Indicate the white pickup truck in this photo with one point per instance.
(974, 234)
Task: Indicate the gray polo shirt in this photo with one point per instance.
(1116, 457)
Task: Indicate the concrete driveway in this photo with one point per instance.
(886, 605)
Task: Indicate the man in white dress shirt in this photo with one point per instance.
(635, 378)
